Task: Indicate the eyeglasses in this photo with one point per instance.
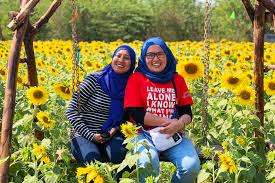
(151, 55)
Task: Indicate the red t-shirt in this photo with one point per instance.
(156, 98)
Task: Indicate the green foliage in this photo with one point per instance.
(230, 21)
(177, 20)
(136, 20)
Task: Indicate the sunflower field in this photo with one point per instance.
(231, 110)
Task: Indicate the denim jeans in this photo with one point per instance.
(183, 156)
(86, 151)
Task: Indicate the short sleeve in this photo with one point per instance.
(133, 95)
(184, 96)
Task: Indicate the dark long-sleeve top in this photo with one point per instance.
(138, 113)
(94, 109)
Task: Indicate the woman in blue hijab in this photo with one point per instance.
(162, 106)
(96, 116)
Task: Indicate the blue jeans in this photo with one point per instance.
(86, 151)
(184, 156)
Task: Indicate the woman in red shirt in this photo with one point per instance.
(157, 96)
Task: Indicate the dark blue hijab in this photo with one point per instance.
(168, 72)
(114, 84)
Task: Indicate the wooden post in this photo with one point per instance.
(28, 43)
(1, 34)
(9, 100)
(31, 66)
(258, 37)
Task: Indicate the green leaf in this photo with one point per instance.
(30, 179)
(130, 160)
(256, 159)
(269, 106)
(271, 175)
(46, 143)
(260, 178)
(50, 177)
(126, 180)
(223, 173)
(203, 175)
(245, 159)
(251, 173)
(210, 165)
(26, 118)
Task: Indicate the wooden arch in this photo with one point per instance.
(25, 32)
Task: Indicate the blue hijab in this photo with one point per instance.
(114, 84)
(170, 68)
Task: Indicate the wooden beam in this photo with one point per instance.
(9, 99)
(19, 19)
(45, 18)
(258, 37)
(269, 5)
(249, 9)
(12, 15)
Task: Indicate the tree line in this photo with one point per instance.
(109, 20)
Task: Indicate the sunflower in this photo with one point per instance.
(227, 163)
(63, 91)
(40, 64)
(97, 66)
(231, 81)
(228, 64)
(44, 119)
(226, 52)
(240, 140)
(37, 95)
(245, 95)
(91, 173)
(213, 91)
(52, 70)
(82, 171)
(41, 79)
(191, 69)
(3, 73)
(249, 76)
(99, 179)
(211, 79)
(41, 154)
(269, 86)
(45, 159)
(20, 81)
(129, 130)
(87, 64)
(39, 150)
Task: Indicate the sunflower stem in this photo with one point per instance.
(136, 150)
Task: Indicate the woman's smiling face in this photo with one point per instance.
(155, 59)
(121, 62)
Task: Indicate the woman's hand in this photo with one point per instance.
(173, 128)
(98, 139)
(113, 131)
(176, 125)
